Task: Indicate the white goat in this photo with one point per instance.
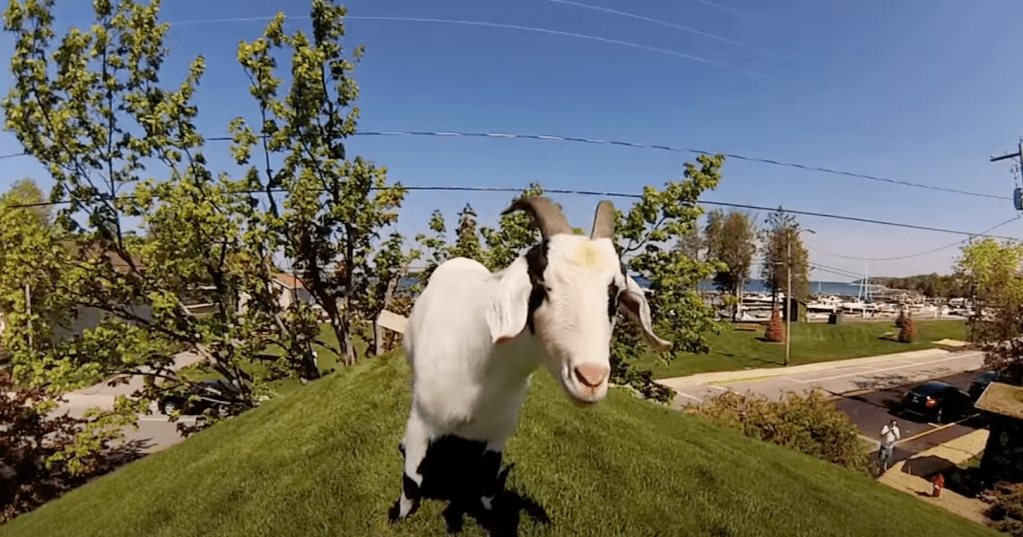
(475, 337)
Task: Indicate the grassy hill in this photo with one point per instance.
(324, 461)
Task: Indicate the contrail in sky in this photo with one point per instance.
(648, 19)
(473, 23)
(722, 7)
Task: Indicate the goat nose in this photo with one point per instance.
(590, 375)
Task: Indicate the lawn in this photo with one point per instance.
(811, 342)
(323, 460)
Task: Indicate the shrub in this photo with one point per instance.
(810, 424)
(901, 318)
(44, 456)
(907, 333)
(1006, 511)
(775, 331)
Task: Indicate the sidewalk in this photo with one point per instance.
(912, 475)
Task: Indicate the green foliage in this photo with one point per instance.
(323, 461)
(731, 239)
(929, 285)
(810, 424)
(515, 233)
(783, 250)
(42, 456)
(907, 331)
(901, 318)
(996, 324)
(334, 206)
(775, 330)
(95, 108)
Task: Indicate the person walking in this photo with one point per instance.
(890, 433)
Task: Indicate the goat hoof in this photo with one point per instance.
(402, 509)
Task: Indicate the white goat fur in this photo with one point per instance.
(472, 354)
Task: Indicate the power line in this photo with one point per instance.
(917, 254)
(633, 196)
(549, 137)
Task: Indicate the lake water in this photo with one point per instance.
(756, 286)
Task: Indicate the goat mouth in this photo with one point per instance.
(575, 394)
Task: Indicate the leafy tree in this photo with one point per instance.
(996, 323)
(92, 109)
(42, 455)
(782, 231)
(731, 239)
(335, 206)
(435, 247)
(467, 239)
(515, 233)
(692, 244)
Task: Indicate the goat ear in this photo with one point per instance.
(506, 314)
(633, 302)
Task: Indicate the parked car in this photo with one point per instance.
(980, 383)
(209, 394)
(937, 400)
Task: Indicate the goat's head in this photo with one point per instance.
(567, 291)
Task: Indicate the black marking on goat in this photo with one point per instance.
(536, 264)
(612, 300)
(490, 472)
(409, 487)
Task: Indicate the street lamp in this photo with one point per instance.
(788, 294)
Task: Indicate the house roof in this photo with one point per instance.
(289, 281)
(1002, 399)
(94, 250)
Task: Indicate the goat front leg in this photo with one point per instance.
(417, 440)
(490, 471)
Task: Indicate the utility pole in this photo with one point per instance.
(788, 297)
(1017, 195)
(788, 294)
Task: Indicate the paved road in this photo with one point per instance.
(841, 377)
(865, 389)
(155, 431)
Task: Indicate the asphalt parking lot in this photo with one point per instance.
(872, 409)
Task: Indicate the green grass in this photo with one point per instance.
(324, 461)
(811, 342)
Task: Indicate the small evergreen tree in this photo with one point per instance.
(775, 329)
(908, 331)
(901, 318)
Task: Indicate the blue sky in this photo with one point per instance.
(922, 91)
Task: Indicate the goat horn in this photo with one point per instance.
(604, 221)
(546, 215)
